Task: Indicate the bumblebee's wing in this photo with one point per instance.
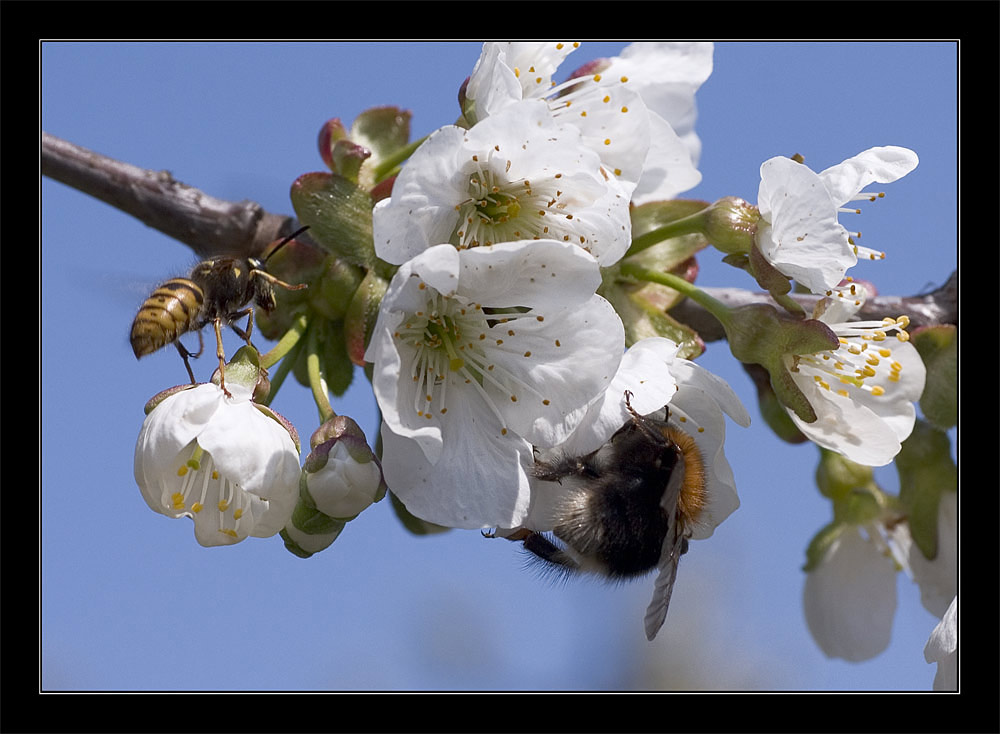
(663, 587)
(673, 548)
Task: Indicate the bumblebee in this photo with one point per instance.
(625, 509)
(217, 291)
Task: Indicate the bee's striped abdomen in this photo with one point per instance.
(170, 311)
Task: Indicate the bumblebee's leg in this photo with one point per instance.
(548, 551)
(221, 354)
(184, 355)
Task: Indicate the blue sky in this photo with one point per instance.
(131, 602)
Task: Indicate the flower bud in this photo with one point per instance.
(341, 476)
(730, 224)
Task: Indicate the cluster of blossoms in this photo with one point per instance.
(495, 338)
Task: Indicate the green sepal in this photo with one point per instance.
(359, 321)
(838, 476)
(339, 214)
(938, 348)
(383, 131)
(758, 333)
(331, 294)
(926, 471)
(820, 544)
(771, 409)
(163, 395)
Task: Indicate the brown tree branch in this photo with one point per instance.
(940, 306)
(209, 226)
(213, 226)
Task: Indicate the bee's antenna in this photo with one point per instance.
(285, 241)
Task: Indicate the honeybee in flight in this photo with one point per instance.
(626, 508)
(218, 291)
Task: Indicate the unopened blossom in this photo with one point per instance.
(850, 597)
(518, 175)
(864, 391)
(342, 475)
(220, 460)
(942, 648)
(479, 354)
(800, 233)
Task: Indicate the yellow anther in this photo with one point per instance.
(878, 390)
(177, 500)
(197, 507)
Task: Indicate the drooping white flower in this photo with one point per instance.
(864, 391)
(850, 597)
(942, 648)
(479, 354)
(219, 460)
(518, 175)
(936, 577)
(799, 232)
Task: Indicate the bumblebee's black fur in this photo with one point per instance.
(611, 519)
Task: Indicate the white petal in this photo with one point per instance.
(875, 165)
(668, 169)
(667, 75)
(538, 274)
(942, 648)
(644, 371)
(850, 599)
(710, 384)
(844, 426)
(938, 577)
(479, 481)
(803, 238)
(421, 210)
(574, 354)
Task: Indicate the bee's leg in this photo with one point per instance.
(201, 346)
(184, 355)
(549, 552)
(221, 354)
(244, 333)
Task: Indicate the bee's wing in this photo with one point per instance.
(663, 588)
(673, 548)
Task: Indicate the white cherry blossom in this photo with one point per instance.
(479, 354)
(800, 233)
(219, 460)
(864, 391)
(850, 597)
(518, 175)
